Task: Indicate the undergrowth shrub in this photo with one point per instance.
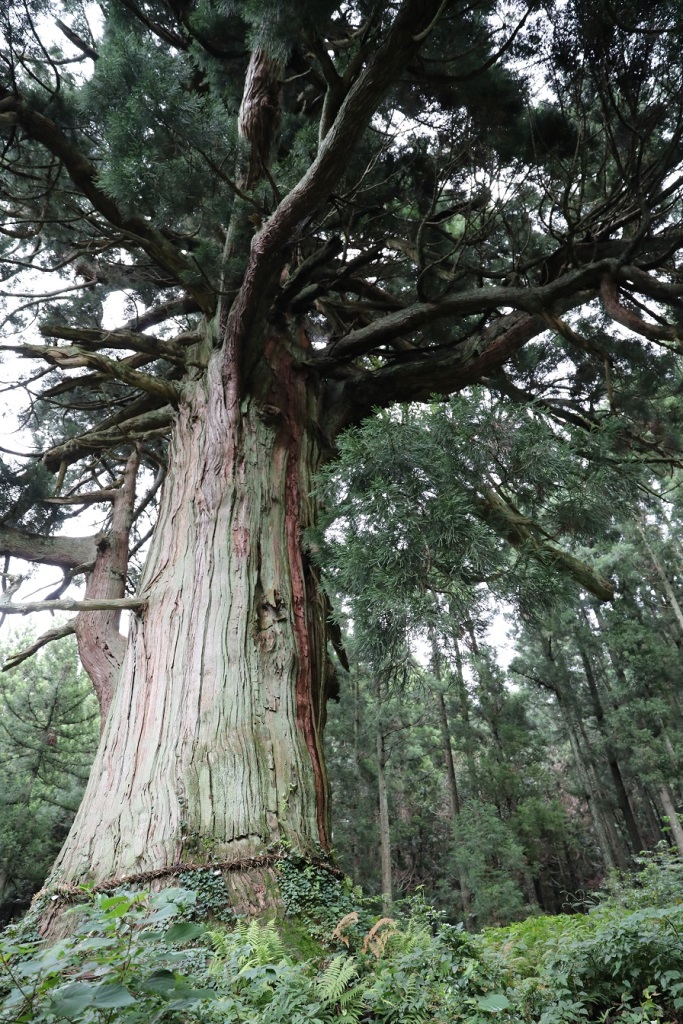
(120, 964)
(621, 961)
(140, 957)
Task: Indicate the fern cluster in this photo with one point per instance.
(138, 957)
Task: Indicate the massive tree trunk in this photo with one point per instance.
(212, 747)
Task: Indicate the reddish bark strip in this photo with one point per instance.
(306, 678)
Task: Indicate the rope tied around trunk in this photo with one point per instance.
(70, 892)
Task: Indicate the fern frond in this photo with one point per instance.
(346, 921)
(334, 980)
(264, 943)
(351, 1003)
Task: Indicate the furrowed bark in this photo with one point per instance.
(213, 739)
(101, 646)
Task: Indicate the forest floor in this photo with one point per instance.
(333, 957)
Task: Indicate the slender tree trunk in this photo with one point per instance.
(357, 779)
(658, 730)
(612, 760)
(664, 578)
(594, 808)
(384, 825)
(451, 781)
(454, 803)
(464, 702)
(650, 815)
(212, 748)
(611, 851)
(568, 869)
(609, 816)
(671, 813)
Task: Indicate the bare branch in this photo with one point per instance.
(57, 633)
(87, 498)
(163, 312)
(72, 357)
(67, 604)
(126, 430)
(173, 350)
(654, 332)
(79, 43)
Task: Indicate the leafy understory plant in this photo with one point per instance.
(139, 957)
(120, 964)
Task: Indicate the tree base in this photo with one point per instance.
(252, 887)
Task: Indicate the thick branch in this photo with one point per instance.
(94, 380)
(153, 423)
(72, 357)
(67, 604)
(651, 286)
(100, 644)
(442, 374)
(163, 312)
(173, 350)
(518, 531)
(477, 300)
(84, 498)
(78, 42)
(296, 209)
(654, 332)
(65, 552)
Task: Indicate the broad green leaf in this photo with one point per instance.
(184, 932)
(116, 902)
(160, 983)
(110, 995)
(72, 999)
(494, 1002)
